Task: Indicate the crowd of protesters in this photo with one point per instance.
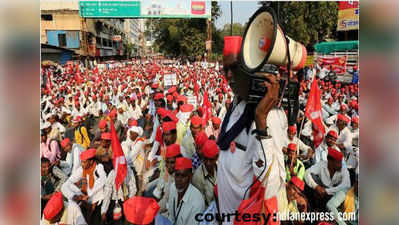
(168, 116)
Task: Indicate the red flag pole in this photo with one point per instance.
(118, 158)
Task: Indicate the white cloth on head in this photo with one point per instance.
(137, 130)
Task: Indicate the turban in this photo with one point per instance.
(137, 130)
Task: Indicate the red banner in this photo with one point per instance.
(313, 113)
(338, 63)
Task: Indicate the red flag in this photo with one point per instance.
(49, 84)
(118, 158)
(207, 106)
(313, 113)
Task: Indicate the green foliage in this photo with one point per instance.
(307, 22)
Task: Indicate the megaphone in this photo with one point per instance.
(264, 42)
(264, 48)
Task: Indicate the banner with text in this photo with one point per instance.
(338, 63)
(348, 15)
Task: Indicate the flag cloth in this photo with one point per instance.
(118, 158)
(49, 84)
(313, 113)
(207, 106)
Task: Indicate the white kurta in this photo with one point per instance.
(183, 212)
(72, 160)
(96, 194)
(236, 170)
(339, 182)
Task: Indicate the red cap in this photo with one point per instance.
(292, 129)
(183, 163)
(333, 133)
(216, 120)
(181, 98)
(171, 90)
(53, 206)
(355, 119)
(200, 138)
(291, 146)
(186, 108)
(158, 96)
(172, 116)
(140, 210)
(102, 124)
(335, 154)
(162, 112)
(343, 107)
(65, 142)
(343, 118)
(196, 120)
(298, 183)
(168, 126)
(155, 85)
(113, 113)
(232, 45)
(88, 154)
(106, 136)
(169, 98)
(210, 149)
(172, 150)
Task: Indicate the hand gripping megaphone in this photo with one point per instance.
(264, 48)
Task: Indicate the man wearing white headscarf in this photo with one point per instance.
(133, 148)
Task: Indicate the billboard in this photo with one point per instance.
(348, 15)
(145, 9)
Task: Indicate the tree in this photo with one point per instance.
(306, 22)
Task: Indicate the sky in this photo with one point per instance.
(242, 10)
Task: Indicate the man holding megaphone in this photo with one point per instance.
(253, 130)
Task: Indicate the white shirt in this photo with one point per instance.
(345, 138)
(110, 189)
(96, 194)
(72, 160)
(183, 212)
(134, 152)
(302, 148)
(340, 180)
(236, 170)
(205, 183)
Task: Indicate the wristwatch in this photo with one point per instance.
(261, 134)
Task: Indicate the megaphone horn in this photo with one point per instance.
(264, 42)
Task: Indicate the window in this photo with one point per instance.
(62, 40)
(47, 17)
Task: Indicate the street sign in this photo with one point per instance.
(112, 9)
(145, 9)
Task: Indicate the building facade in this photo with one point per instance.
(61, 26)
